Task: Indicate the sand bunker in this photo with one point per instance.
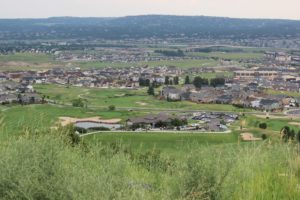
(64, 121)
(272, 116)
(249, 137)
(295, 123)
(141, 103)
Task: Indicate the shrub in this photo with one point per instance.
(111, 107)
(298, 136)
(264, 136)
(100, 129)
(178, 122)
(78, 103)
(80, 130)
(263, 125)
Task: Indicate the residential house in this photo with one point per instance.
(150, 120)
(171, 93)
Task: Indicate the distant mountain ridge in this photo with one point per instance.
(158, 26)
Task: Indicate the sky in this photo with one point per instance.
(279, 9)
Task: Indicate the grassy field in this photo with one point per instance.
(123, 98)
(26, 57)
(168, 143)
(32, 61)
(27, 61)
(274, 125)
(232, 56)
(16, 119)
(286, 93)
(187, 63)
(52, 167)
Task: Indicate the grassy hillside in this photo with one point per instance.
(168, 143)
(48, 166)
(43, 117)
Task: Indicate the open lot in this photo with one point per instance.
(27, 61)
(186, 63)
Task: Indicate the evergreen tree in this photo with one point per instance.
(176, 80)
(151, 90)
(298, 137)
(217, 82)
(144, 82)
(167, 80)
(198, 82)
(187, 80)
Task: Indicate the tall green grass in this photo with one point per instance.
(50, 166)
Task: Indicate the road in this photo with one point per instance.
(160, 131)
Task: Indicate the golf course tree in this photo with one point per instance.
(78, 103)
(155, 84)
(176, 80)
(111, 108)
(298, 137)
(151, 90)
(199, 82)
(178, 122)
(187, 80)
(217, 82)
(43, 99)
(85, 102)
(264, 136)
(167, 80)
(287, 134)
(263, 125)
(144, 82)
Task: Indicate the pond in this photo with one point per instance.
(294, 112)
(91, 125)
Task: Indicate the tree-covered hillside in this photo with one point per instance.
(159, 26)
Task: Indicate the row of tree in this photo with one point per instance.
(199, 81)
(286, 134)
(169, 53)
(168, 81)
